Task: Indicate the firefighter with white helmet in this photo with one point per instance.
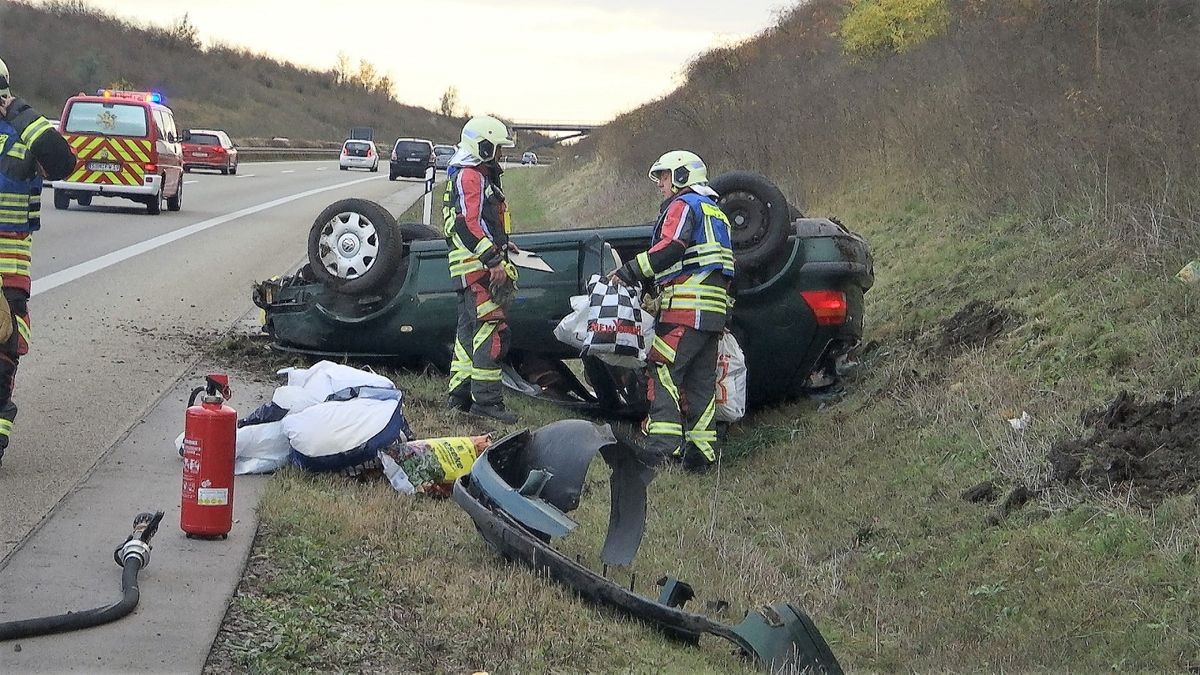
(476, 226)
(30, 150)
(690, 264)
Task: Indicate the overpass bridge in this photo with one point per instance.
(572, 129)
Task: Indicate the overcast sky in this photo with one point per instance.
(531, 59)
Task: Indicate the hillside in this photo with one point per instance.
(57, 49)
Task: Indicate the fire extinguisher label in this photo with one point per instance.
(212, 496)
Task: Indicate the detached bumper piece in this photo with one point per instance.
(519, 493)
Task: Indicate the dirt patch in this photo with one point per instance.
(1152, 447)
(976, 324)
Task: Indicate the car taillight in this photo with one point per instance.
(370, 152)
(345, 151)
(151, 168)
(828, 306)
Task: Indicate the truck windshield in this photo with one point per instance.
(106, 119)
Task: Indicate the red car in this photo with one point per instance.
(208, 149)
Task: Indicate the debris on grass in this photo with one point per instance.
(982, 492)
(1151, 448)
(975, 325)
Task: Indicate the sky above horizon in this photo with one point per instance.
(549, 60)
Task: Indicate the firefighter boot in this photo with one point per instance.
(458, 403)
(495, 411)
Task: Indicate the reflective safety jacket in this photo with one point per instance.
(691, 261)
(476, 220)
(27, 141)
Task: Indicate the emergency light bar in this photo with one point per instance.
(147, 96)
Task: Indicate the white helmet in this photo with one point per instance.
(483, 135)
(686, 168)
(4, 79)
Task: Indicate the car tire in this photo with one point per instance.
(84, 200)
(154, 204)
(758, 214)
(175, 201)
(342, 168)
(233, 170)
(419, 232)
(354, 246)
(391, 176)
(62, 200)
(375, 169)
(225, 170)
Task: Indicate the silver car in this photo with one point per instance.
(442, 155)
(358, 154)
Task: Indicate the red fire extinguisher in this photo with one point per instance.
(209, 435)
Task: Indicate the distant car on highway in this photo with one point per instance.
(359, 155)
(442, 155)
(209, 149)
(528, 158)
(411, 158)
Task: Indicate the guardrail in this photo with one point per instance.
(284, 154)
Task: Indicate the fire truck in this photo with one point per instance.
(127, 147)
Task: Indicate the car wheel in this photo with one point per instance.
(62, 200)
(758, 217)
(233, 170)
(225, 170)
(175, 201)
(354, 246)
(84, 200)
(343, 168)
(391, 176)
(154, 204)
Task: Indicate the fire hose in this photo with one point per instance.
(133, 556)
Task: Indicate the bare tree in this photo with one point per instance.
(449, 104)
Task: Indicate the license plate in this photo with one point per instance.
(414, 159)
(110, 167)
(199, 154)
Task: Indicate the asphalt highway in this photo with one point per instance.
(123, 300)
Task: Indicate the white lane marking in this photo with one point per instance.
(288, 171)
(322, 168)
(189, 182)
(246, 175)
(52, 281)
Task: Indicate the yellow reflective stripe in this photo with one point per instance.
(486, 374)
(663, 348)
(91, 146)
(643, 261)
(129, 178)
(35, 130)
(483, 333)
(121, 151)
(13, 219)
(23, 328)
(664, 429)
(17, 151)
(9, 245)
(77, 176)
(483, 246)
(664, 376)
(77, 142)
(13, 267)
(14, 198)
(5, 427)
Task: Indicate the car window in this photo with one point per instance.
(443, 149)
(107, 119)
(224, 139)
(359, 147)
(168, 119)
(412, 148)
(204, 139)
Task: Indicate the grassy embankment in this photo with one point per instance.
(853, 509)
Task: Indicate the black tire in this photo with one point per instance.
(175, 201)
(364, 223)
(344, 168)
(759, 217)
(154, 204)
(62, 200)
(84, 200)
(391, 176)
(225, 171)
(419, 232)
(233, 170)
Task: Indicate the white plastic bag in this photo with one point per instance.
(572, 330)
(731, 379)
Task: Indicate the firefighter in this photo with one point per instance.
(690, 263)
(30, 150)
(477, 229)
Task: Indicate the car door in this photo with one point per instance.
(170, 152)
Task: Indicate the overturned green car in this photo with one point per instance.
(375, 289)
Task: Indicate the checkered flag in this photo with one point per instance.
(616, 324)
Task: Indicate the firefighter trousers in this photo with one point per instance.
(10, 356)
(682, 391)
(480, 344)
